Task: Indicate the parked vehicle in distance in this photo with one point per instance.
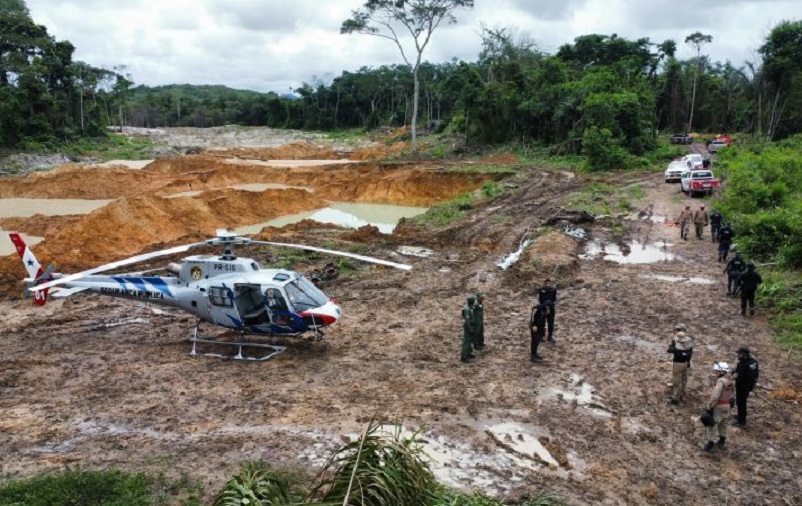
(699, 181)
(716, 144)
(682, 138)
(678, 167)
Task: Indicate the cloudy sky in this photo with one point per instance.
(278, 44)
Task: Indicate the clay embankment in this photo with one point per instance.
(141, 218)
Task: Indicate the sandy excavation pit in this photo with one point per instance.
(108, 383)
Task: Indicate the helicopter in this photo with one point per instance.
(225, 290)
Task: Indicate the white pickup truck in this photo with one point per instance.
(699, 182)
(678, 167)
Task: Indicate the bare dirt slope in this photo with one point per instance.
(108, 383)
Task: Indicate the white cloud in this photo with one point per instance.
(275, 45)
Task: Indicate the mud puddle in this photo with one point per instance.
(643, 344)
(346, 214)
(7, 247)
(284, 164)
(25, 208)
(579, 393)
(633, 252)
(251, 187)
(677, 279)
(128, 164)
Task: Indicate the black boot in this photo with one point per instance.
(709, 446)
(722, 442)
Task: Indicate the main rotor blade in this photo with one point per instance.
(338, 253)
(119, 263)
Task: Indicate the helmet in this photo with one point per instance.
(744, 349)
(679, 326)
(721, 367)
(750, 266)
(707, 419)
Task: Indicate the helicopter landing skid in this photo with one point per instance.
(241, 345)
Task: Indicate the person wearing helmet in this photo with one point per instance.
(684, 221)
(748, 283)
(700, 221)
(747, 372)
(725, 236)
(718, 406)
(682, 349)
(733, 270)
(468, 329)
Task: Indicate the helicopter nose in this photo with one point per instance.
(328, 313)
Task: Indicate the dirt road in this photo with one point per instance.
(108, 383)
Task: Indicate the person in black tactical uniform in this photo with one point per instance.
(725, 235)
(733, 270)
(715, 224)
(746, 376)
(548, 293)
(537, 327)
(748, 284)
(468, 330)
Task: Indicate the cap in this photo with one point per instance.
(480, 294)
(702, 206)
(744, 349)
(679, 326)
(471, 299)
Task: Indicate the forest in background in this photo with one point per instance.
(605, 97)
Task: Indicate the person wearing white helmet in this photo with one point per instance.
(718, 406)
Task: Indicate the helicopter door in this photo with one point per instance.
(251, 306)
(221, 307)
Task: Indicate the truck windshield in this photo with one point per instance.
(304, 295)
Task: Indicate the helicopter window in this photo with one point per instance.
(304, 295)
(254, 266)
(220, 296)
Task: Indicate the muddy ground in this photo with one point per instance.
(108, 383)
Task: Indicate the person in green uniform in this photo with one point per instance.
(468, 330)
(479, 316)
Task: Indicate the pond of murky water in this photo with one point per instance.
(346, 214)
(633, 252)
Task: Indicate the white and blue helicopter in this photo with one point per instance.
(225, 290)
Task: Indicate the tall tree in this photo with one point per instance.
(696, 40)
(782, 70)
(420, 18)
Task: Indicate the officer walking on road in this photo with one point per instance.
(684, 219)
(537, 327)
(748, 284)
(548, 293)
(715, 224)
(718, 406)
(734, 269)
(746, 376)
(700, 221)
(468, 327)
(479, 317)
(725, 236)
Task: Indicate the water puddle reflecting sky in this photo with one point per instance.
(634, 253)
(346, 214)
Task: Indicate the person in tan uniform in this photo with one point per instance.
(684, 220)
(700, 221)
(719, 406)
(682, 349)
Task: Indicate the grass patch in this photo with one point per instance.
(447, 212)
(349, 134)
(113, 147)
(98, 488)
(605, 199)
(541, 158)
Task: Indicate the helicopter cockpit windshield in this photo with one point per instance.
(304, 295)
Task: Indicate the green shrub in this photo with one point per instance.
(93, 488)
(256, 485)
